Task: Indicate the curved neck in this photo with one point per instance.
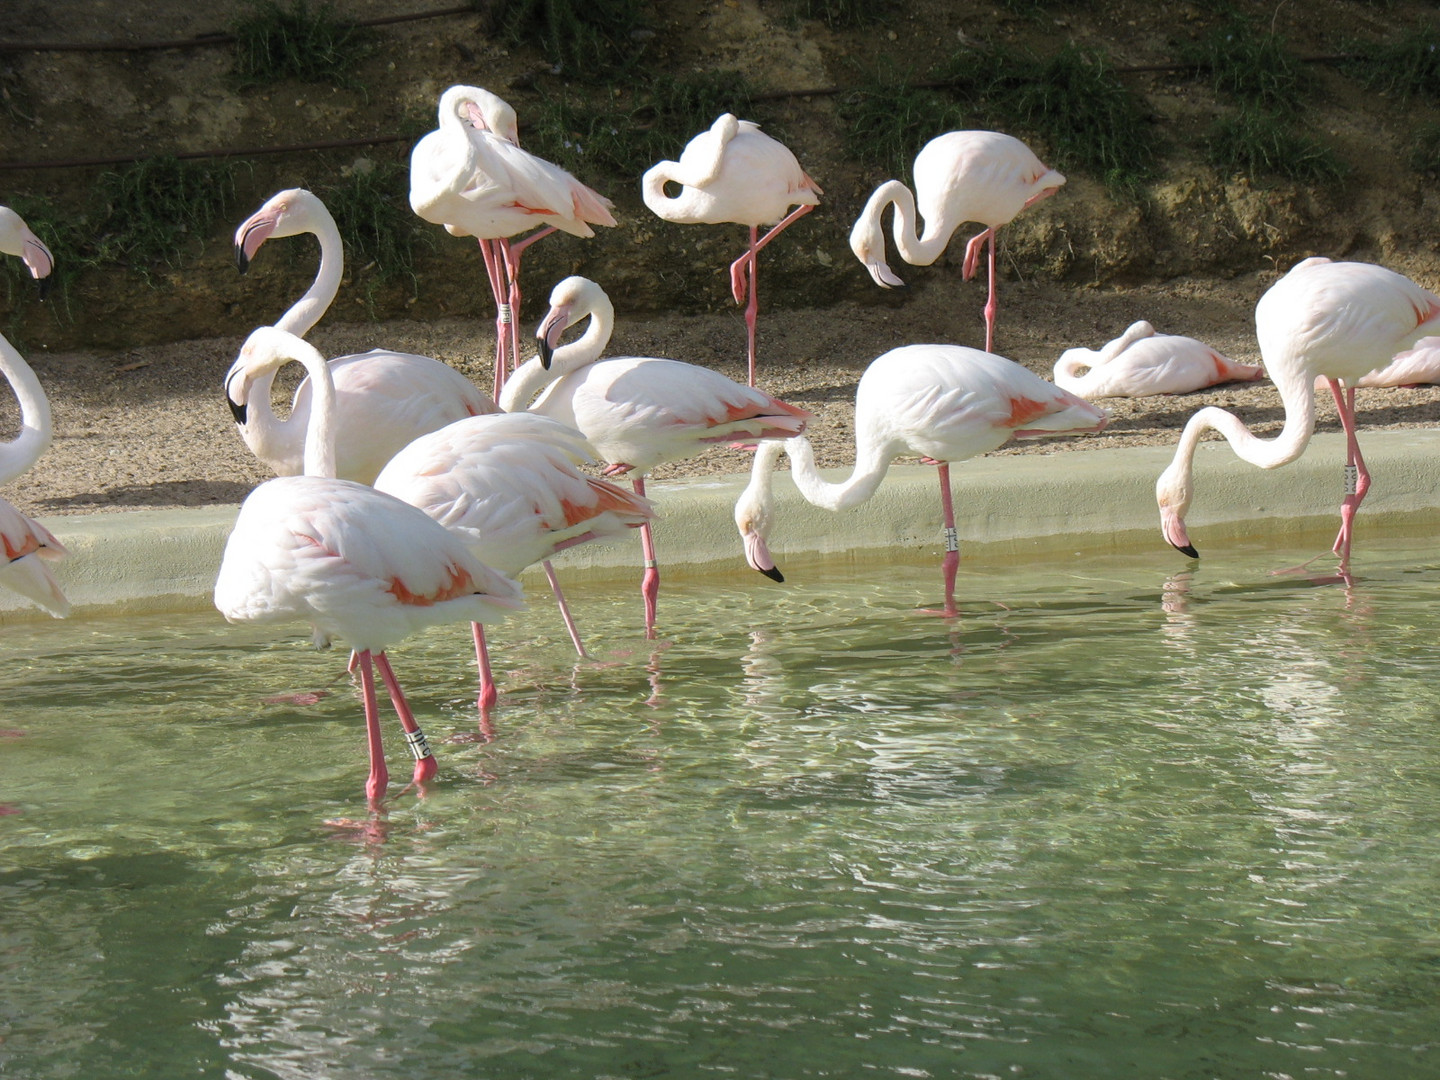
(1070, 369)
(524, 383)
(917, 249)
(1266, 453)
(35, 429)
(652, 187)
(871, 465)
(320, 434)
(307, 311)
(278, 443)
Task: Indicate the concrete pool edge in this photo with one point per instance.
(1006, 506)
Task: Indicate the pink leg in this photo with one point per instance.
(739, 271)
(564, 608)
(950, 565)
(1357, 477)
(489, 695)
(991, 304)
(425, 765)
(512, 254)
(503, 321)
(650, 582)
(379, 778)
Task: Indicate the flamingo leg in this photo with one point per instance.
(991, 303)
(1357, 477)
(752, 309)
(650, 582)
(379, 778)
(503, 319)
(489, 695)
(564, 608)
(425, 764)
(748, 266)
(950, 565)
(511, 259)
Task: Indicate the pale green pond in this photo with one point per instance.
(1115, 822)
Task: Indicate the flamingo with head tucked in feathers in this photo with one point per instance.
(734, 172)
(980, 176)
(636, 411)
(1140, 363)
(26, 544)
(944, 402)
(511, 488)
(1333, 320)
(355, 563)
(384, 399)
(471, 176)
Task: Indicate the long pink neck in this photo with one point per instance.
(25, 449)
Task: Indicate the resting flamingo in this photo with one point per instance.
(1418, 366)
(734, 172)
(510, 487)
(961, 176)
(1334, 320)
(384, 399)
(471, 176)
(1140, 363)
(27, 544)
(356, 563)
(944, 402)
(636, 411)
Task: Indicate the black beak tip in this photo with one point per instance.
(546, 352)
(1188, 551)
(42, 287)
(242, 261)
(773, 574)
(238, 411)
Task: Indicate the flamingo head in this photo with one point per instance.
(17, 239)
(483, 111)
(571, 300)
(1173, 494)
(754, 511)
(266, 351)
(867, 241)
(287, 213)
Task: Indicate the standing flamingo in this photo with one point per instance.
(734, 172)
(384, 399)
(471, 176)
(960, 176)
(1140, 363)
(25, 541)
(636, 411)
(1335, 320)
(944, 402)
(510, 486)
(354, 562)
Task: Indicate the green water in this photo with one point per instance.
(1112, 823)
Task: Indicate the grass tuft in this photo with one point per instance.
(296, 42)
(149, 213)
(381, 235)
(1405, 69)
(592, 41)
(887, 120)
(844, 14)
(1257, 144)
(1251, 66)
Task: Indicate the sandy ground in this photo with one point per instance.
(149, 428)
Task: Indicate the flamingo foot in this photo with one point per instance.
(650, 593)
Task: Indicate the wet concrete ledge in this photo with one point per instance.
(1007, 507)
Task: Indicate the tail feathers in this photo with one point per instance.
(33, 580)
(1229, 371)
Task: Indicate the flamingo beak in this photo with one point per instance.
(757, 554)
(555, 323)
(250, 236)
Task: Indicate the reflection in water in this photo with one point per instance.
(822, 835)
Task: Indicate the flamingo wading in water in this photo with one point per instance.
(25, 543)
(510, 487)
(355, 563)
(980, 176)
(384, 399)
(636, 411)
(1140, 363)
(1333, 320)
(471, 176)
(944, 402)
(734, 172)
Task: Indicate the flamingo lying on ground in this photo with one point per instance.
(943, 402)
(25, 543)
(356, 563)
(734, 172)
(636, 411)
(471, 176)
(383, 399)
(1140, 363)
(961, 176)
(510, 487)
(1335, 320)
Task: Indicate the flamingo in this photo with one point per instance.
(356, 563)
(471, 176)
(960, 176)
(510, 486)
(944, 402)
(1418, 366)
(1334, 320)
(636, 411)
(384, 399)
(1141, 362)
(734, 172)
(27, 544)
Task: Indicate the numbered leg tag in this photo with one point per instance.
(1352, 479)
(505, 316)
(952, 540)
(418, 746)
